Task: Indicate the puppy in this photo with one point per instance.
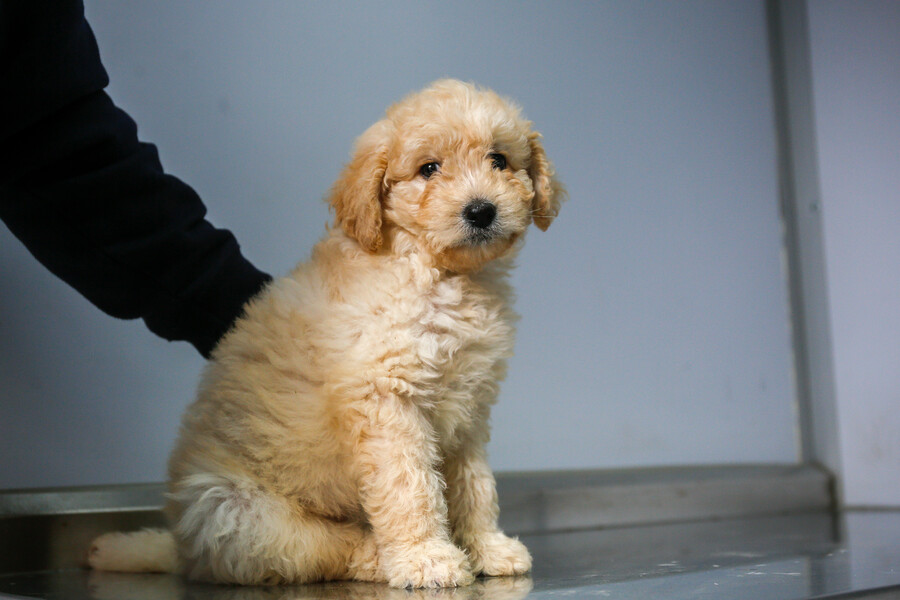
(339, 430)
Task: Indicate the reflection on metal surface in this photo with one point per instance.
(109, 586)
(758, 533)
(805, 555)
(42, 542)
(89, 585)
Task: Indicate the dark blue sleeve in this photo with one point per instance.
(91, 202)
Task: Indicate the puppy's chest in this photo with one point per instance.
(454, 339)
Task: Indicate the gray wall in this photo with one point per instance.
(655, 327)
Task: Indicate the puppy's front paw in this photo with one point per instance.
(496, 554)
(432, 564)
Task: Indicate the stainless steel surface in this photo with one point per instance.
(549, 501)
(746, 532)
(93, 499)
(542, 501)
(808, 555)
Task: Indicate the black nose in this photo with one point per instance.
(479, 213)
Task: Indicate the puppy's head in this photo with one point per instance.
(454, 171)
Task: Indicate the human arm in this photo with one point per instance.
(93, 203)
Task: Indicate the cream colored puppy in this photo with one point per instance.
(340, 427)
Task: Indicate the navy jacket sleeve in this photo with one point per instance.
(91, 202)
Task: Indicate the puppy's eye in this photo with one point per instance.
(429, 169)
(498, 161)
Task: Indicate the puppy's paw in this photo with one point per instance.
(147, 551)
(104, 552)
(495, 554)
(432, 564)
(365, 562)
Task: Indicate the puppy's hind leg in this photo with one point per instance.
(233, 531)
(146, 551)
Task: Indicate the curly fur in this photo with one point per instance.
(339, 430)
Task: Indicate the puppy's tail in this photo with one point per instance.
(145, 551)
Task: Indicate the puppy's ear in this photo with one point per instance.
(356, 196)
(548, 191)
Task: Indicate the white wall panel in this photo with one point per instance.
(855, 54)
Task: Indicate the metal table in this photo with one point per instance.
(793, 552)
